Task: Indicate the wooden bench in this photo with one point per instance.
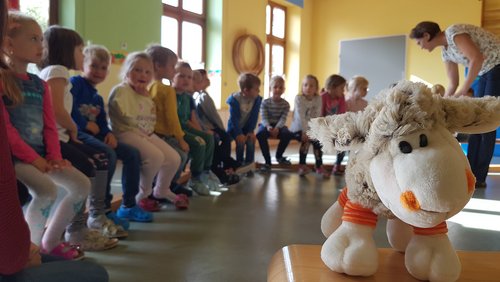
(303, 263)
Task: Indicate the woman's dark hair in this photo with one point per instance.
(431, 28)
(59, 47)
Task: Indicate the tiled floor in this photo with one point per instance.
(233, 236)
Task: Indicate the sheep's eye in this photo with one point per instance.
(405, 147)
(423, 140)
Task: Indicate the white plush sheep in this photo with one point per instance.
(405, 164)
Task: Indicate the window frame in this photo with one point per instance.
(274, 40)
(182, 15)
(53, 12)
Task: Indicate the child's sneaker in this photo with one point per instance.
(106, 227)
(265, 168)
(149, 205)
(199, 187)
(338, 170)
(284, 161)
(134, 213)
(91, 240)
(322, 170)
(303, 170)
(118, 221)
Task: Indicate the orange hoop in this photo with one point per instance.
(238, 59)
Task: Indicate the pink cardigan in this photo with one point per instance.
(14, 232)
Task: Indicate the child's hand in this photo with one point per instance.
(42, 165)
(34, 258)
(184, 145)
(110, 140)
(251, 137)
(59, 164)
(241, 139)
(92, 127)
(73, 135)
(273, 132)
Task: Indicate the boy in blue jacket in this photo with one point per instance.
(243, 115)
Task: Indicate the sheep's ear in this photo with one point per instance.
(472, 115)
(340, 132)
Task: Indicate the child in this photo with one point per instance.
(243, 115)
(63, 51)
(438, 89)
(133, 116)
(274, 112)
(357, 88)
(333, 103)
(167, 125)
(201, 144)
(90, 116)
(223, 165)
(19, 260)
(32, 135)
(307, 107)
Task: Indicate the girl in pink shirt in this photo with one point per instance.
(32, 135)
(333, 103)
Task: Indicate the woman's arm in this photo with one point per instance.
(473, 54)
(452, 73)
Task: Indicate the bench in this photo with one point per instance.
(303, 263)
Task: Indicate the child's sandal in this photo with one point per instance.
(67, 251)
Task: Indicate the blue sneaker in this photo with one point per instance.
(118, 221)
(134, 213)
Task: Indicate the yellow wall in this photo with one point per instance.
(347, 19)
(239, 17)
(316, 30)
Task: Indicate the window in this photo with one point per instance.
(275, 42)
(183, 30)
(44, 11)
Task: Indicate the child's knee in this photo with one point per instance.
(46, 192)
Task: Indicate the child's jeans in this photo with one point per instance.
(284, 136)
(245, 157)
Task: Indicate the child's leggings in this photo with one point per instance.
(304, 149)
(43, 189)
(157, 158)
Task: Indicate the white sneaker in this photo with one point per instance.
(199, 187)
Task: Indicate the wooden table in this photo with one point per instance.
(303, 263)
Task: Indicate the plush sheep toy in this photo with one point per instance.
(406, 165)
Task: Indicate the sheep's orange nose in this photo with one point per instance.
(409, 201)
(471, 180)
